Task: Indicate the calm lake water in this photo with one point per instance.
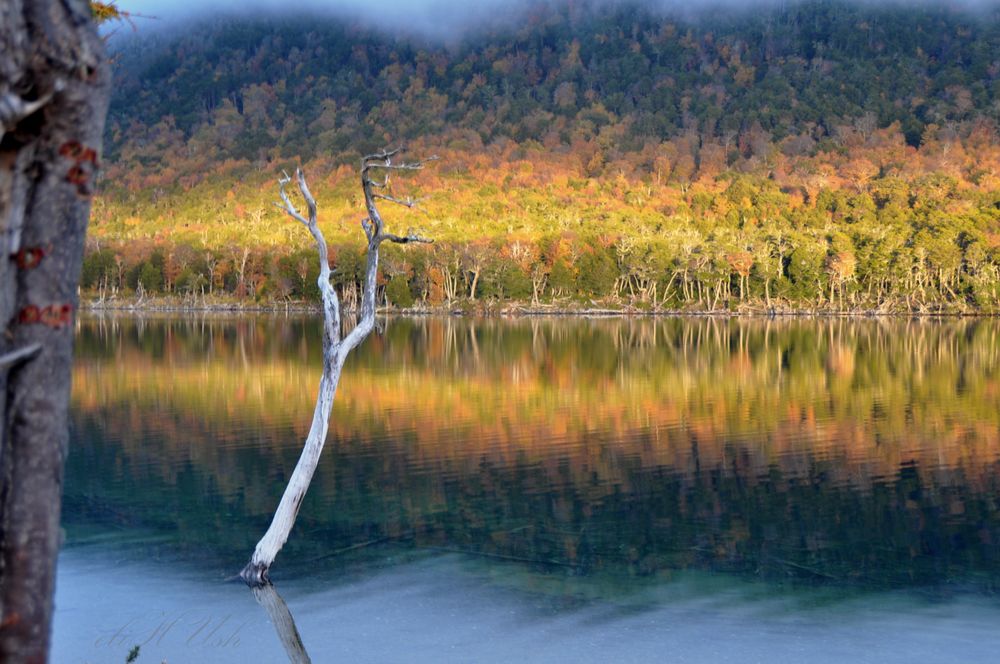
(683, 490)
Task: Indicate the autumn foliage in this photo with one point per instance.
(842, 158)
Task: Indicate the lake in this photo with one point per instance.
(538, 489)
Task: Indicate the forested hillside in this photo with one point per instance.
(805, 155)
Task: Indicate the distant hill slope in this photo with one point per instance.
(248, 89)
(805, 154)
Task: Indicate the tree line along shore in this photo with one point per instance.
(816, 156)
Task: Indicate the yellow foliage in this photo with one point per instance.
(104, 12)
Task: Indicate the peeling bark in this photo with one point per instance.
(54, 85)
(335, 347)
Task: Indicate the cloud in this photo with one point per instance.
(392, 11)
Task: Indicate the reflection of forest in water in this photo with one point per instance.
(832, 450)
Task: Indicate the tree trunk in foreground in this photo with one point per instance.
(54, 85)
(335, 348)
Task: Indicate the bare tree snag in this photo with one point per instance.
(54, 86)
(335, 347)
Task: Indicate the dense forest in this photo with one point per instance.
(804, 155)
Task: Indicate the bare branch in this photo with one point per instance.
(416, 166)
(306, 194)
(383, 155)
(406, 239)
(13, 108)
(287, 204)
(20, 355)
(405, 202)
(383, 160)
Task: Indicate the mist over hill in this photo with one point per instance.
(447, 20)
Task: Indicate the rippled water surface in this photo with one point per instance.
(539, 489)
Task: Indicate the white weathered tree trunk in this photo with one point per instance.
(335, 348)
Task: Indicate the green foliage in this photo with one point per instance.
(597, 273)
(805, 269)
(98, 267)
(300, 272)
(516, 284)
(503, 279)
(151, 277)
(561, 279)
(398, 292)
(190, 281)
(349, 267)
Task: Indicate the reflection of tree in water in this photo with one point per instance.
(830, 451)
(284, 624)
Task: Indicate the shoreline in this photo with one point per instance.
(470, 309)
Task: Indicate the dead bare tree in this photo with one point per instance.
(335, 347)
